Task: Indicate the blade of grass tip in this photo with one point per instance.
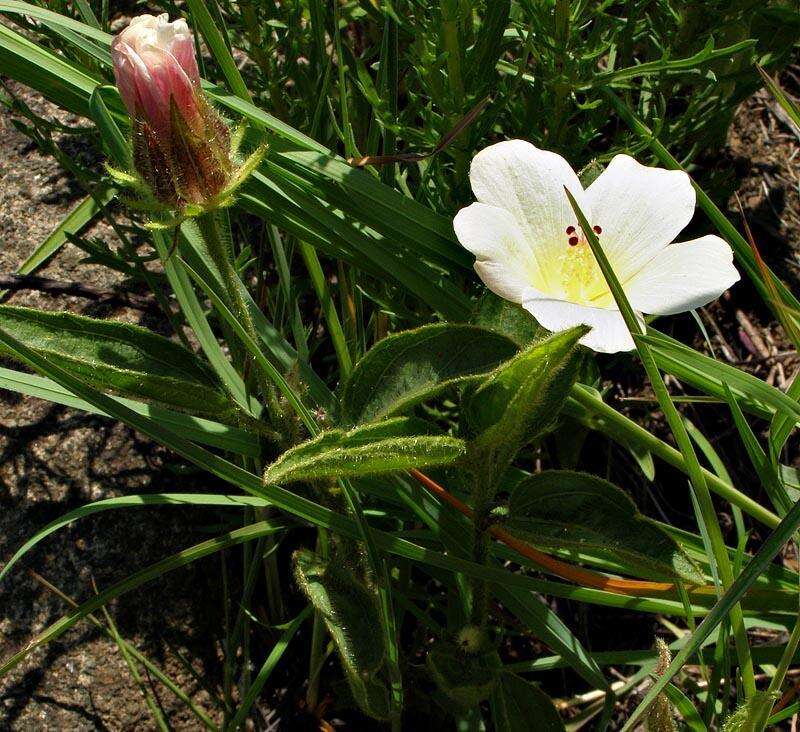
(114, 141)
(787, 104)
(740, 246)
(267, 668)
(684, 705)
(73, 223)
(683, 441)
(137, 579)
(786, 316)
(766, 553)
(782, 424)
(785, 713)
(87, 13)
(202, 717)
(212, 35)
(285, 281)
(150, 701)
(328, 308)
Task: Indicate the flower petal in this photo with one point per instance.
(529, 184)
(683, 276)
(609, 334)
(640, 211)
(504, 258)
(168, 81)
(124, 73)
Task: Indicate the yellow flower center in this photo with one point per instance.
(581, 279)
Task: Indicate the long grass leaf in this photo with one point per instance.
(147, 499)
(198, 429)
(773, 544)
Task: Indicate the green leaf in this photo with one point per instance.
(351, 615)
(114, 142)
(482, 58)
(62, 82)
(767, 471)
(508, 319)
(517, 703)
(404, 369)
(149, 499)
(118, 357)
(523, 396)
(692, 720)
(395, 444)
(465, 678)
(559, 509)
(197, 429)
(216, 44)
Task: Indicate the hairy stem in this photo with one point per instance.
(221, 252)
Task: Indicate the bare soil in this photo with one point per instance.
(54, 459)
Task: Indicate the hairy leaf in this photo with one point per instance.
(350, 612)
(465, 678)
(396, 444)
(523, 397)
(562, 509)
(518, 704)
(404, 369)
(508, 319)
(118, 357)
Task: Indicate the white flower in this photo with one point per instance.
(529, 248)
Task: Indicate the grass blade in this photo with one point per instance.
(786, 529)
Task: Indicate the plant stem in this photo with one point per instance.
(318, 635)
(221, 253)
(482, 494)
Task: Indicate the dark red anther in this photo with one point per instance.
(597, 230)
(573, 241)
(570, 230)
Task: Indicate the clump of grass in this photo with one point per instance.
(365, 400)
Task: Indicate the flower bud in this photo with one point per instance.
(181, 146)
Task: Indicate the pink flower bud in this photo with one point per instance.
(181, 146)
